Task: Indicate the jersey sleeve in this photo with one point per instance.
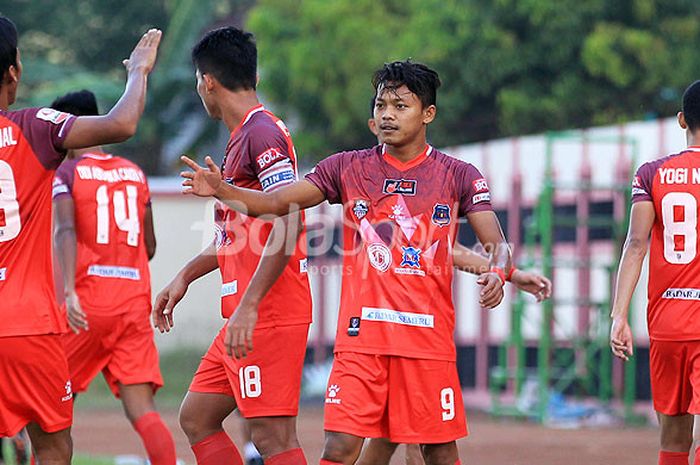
(326, 177)
(474, 191)
(270, 160)
(642, 182)
(48, 129)
(63, 179)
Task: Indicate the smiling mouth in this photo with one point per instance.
(388, 128)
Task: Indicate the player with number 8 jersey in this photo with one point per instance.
(665, 196)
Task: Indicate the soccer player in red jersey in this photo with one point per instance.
(104, 239)
(36, 390)
(396, 324)
(265, 292)
(665, 195)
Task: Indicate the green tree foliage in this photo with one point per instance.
(508, 66)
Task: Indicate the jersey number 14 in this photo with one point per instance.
(126, 214)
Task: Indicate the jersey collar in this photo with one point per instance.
(97, 156)
(256, 109)
(693, 148)
(399, 165)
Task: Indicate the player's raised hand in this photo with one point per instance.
(621, 341)
(491, 290)
(165, 304)
(77, 319)
(201, 181)
(239, 330)
(143, 56)
(532, 283)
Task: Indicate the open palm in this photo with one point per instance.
(201, 181)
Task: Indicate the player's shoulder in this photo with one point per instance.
(37, 115)
(456, 165)
(263, 126)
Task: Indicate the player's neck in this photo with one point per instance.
(692, 138)
(407, 152)
(236, 105)
(4, 98)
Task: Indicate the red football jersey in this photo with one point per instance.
(31, 148)
(110, 195)
(260, 155)
(672, 183)
(400, 226)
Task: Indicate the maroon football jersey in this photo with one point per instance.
(260, 155)
(31, 148)
(400, 227)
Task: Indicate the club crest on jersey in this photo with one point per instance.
(411, 257)
(399, 187)
(441, 215)
(354, 326)
(360, 209)
(379, 256)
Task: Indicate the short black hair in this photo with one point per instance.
(81, 103)
(419, 79)
(8, 44)
(691, 106)
(230, 55)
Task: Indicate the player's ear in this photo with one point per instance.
(209, 82)
(681, 120)
(372, 126)
(429, 113)
(257, 79)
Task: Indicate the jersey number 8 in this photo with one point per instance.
(683, 225)
(10, 224)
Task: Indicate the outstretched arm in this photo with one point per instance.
(207, 182)
(121, 121)
(641, 221)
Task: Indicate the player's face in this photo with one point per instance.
(399, 115)
(206, 96)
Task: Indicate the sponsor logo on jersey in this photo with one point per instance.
(7, 137)
(411, 257)
(681, 294)
(303, 265)
(59, 187)
(397, 212)
(230, 288)
(52, 116)
(441, 215)
(379, 256)
(637, 182)
(360, 209)
(3, 274)
(478, 198)
(399, 186)
(354, 326)
(480, 185)
(332, 396)
(278, 178)
(119, 272)
(385, 315)
(268, 158)
(69, 392)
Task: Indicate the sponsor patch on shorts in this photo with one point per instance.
(386, 315)
(119, 272)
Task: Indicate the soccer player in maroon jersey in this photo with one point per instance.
(665, 195)
(104, 238)
(396, 323)
(35, 390)
(380, 450)
(265, 292)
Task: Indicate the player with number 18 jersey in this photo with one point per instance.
(672, 184)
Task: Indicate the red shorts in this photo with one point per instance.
(34, 384)
(266, 383)
(675, 376)
(120, 346)
(402, 399)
